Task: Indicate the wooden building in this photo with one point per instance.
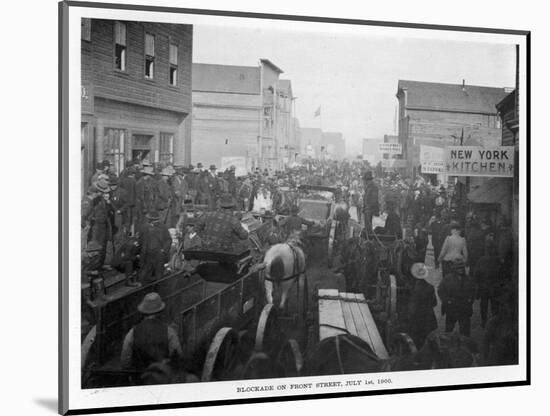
(442, 115)
(136, 93)
(242, 111)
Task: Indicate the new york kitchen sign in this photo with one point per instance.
(480, 161)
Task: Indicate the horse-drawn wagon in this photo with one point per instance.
(317, 203)
(211, 310)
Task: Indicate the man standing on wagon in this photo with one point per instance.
(152, 340)
(370, 200)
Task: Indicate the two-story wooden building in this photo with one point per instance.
(136, 93)
(440, 115)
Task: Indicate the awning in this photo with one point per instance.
(493, 191)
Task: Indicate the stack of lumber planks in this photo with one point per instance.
(341, 313)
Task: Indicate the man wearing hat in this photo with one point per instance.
(152, 340)
(155, 242)
(222, 228)
(99, 219)
(127, 199)
(145, 193)
(422, 300)
(370, 200)
(456, 292)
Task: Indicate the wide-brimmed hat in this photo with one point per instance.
(151, 303)
(153, 216)
(227, 201)
(419, 271)
(213, 167)
(167, 171)
(199, 165)
(148, 170)
(102, 187)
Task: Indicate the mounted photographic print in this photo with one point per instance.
(280, 207)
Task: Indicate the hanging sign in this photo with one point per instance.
(495, 161)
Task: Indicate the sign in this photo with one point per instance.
(432, 159)
(238, 161)
(394, 163)
(494, 161)
(390, 148)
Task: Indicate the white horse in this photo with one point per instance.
(284, 263)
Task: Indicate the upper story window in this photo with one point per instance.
(149, 56)
(173, 64)
(86, 26)
(120, 46)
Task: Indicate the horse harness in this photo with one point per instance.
(295, 271)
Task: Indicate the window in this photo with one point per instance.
(120, 46)
(173, 65)
(149, 56)
(113, 147)
(86, 26)
(166, 147)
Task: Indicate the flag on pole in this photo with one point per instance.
(317, 112)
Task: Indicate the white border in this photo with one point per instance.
(112, 397)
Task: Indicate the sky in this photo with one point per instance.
(353, 77)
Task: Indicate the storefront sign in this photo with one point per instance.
(432, 159)
(496, 161)
(390, 148)
(238, 161)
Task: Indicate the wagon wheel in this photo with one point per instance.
(87, 346)
(331, 236)
(221, 355)
(302, 310)
(268, 331)
(290, 360)
(259, 365)
(402, 344)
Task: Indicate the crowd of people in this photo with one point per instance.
(139, 212)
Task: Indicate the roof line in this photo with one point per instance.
(449, 110)
(271, 64)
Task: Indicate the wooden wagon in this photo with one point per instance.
(210, 309)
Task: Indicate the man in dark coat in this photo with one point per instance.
(155, 242)
(456, 292)
(127, 199)
(152, 340)
(145, 194)
(439, 229)
(221, 229)
(370, 200)
(100, 219)
(475, 238)
(486, 278)
(421, 316)
(393, 222)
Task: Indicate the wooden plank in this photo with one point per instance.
(348, 315)
(331, 316)
(376, 340)
(361, 325)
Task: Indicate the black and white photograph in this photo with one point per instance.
(267, 207)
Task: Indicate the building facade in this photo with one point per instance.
(135, 93)
(440, 115)
(243, 111)
(227, 108)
